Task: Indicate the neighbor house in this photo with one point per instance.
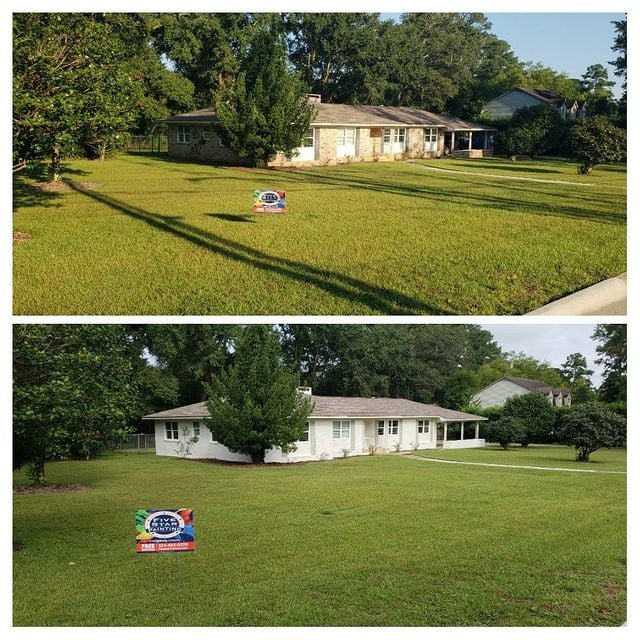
(498, 392)
(336, 427)
(508, 103)
(343, 133)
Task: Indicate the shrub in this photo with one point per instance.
(596, 141)
(591, 426)
(536, 413)
(505, 430)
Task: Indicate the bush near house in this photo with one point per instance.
(589, 427)
(537, 415)
(597, 141)
(506, 430)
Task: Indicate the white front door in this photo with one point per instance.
(387, 432)
(430, 140)
(394, 140)
(346, 142)
(306, 153)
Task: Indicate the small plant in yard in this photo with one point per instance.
(397, 447)
(346, 452)
(183, 449)
(371, 449)
(589, 427)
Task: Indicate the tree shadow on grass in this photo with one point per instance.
(29, 187)
(396, 185)
(230, 217)
(378, 299)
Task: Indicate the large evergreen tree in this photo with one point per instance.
(264, 110)
(613, 356)
(254, 403)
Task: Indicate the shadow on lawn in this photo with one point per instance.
(396, 185)
(230, 217)
(379, 299)
(26, 194)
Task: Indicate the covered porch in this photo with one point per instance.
(459, 435)
(468, 143)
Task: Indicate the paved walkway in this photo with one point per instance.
(497, 175)
(512, 466)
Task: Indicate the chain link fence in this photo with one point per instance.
(141, 442)
(148, 144)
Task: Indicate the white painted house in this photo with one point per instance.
(498, 392)
(505, 105)
(336, 426)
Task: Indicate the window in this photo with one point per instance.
(386, 135)
(392, 428)
(423, 426)
(184, 134)
(170, 430)
(346, 136)
(196, 429)
(206, 133)
(305, 435)
(431, 135)
(380, 427)
(341, 429)
(307, 141)
(399, 135)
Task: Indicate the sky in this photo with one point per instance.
(550, 343)
(566, 42)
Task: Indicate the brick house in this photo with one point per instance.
(341, 133)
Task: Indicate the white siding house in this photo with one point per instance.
(498, 392)
(337, 427)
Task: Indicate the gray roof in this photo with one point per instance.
(364, 115)
(538, 386)
(340, 407)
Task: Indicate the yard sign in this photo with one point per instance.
(159, 530)
(269, 201)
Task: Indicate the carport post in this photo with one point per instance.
(477, 430)
(470, 140)
(485, 140)
(444, 435)
(462, 431)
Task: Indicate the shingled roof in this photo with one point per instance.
(539, 386)
(340, 407)
(328, 114)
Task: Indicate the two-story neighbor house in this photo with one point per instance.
(498, 392)
(343, 133)
(337, 426)
(505, 105)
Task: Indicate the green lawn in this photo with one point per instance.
(534, 455)
(382, 540)
(157, 237)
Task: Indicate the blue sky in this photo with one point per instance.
(567, 42)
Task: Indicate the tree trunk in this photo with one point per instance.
(513, 158)
(36, 473)
(582, 454)
(257, 456)
(54, 169)
(103, 151)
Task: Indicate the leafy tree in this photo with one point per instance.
(575, 368)
(265, 109)
(595, 81)
(202, 47)
(620, 46)
(71, 86)
(254, 404)
(505, 430)
(589, 427)
(531, 131)
(535, 413)
(613, 356)
(596, 141)
(541, 77)
(74, 392)
(459, 389)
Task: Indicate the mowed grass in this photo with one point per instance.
(534, 455)
(152, 236)
(382, 540)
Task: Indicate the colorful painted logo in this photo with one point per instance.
(269, 200)
(161, 530)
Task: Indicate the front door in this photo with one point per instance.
(387, 433)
